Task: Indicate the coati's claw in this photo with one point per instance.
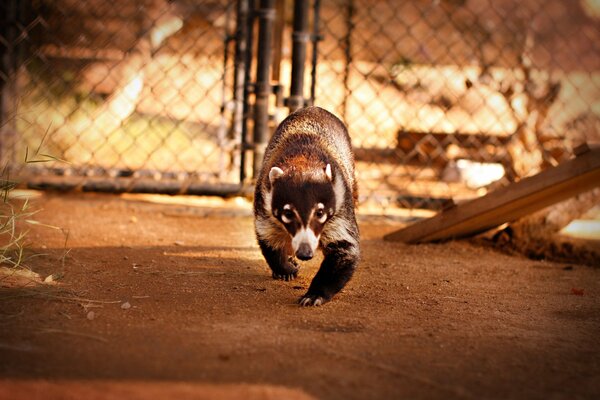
(304, 301)
(286, 277)
(307, 301)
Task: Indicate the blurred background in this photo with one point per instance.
(444, 99)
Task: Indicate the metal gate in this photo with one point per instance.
(132, 96)
(144, 95)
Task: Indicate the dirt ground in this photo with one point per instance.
(175, 301)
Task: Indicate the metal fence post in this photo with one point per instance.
(266, 16)
(316, 37)
(240, 104)
(347, 45)
(8, 84)
(300, 37)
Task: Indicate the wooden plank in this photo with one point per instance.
(508, 203)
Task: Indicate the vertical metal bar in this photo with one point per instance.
(266, 16)
(223, 133)
(8, 83)
(238, 128)
(247, 67)
(348, 53)
(316, 37)
(300, 37)
(278, 39)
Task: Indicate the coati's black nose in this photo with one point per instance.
(304, 252)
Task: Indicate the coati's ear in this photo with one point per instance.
(275, 173)
(328, 172)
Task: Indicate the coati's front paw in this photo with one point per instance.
(287, 272)
(311, 300)
(286, 277)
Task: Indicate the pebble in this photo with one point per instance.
(126, 306)
(90, 315)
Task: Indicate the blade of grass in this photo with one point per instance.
(34, 222)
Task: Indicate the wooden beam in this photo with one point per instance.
(508, 203)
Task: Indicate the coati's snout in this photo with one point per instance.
(304, 252)
(305, 243)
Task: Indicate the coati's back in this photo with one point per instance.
(312, 133)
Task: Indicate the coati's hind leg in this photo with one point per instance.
(336, 270)
(280, 261)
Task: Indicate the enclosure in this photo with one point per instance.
(442, 98)
(130, 138)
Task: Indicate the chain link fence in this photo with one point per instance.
(450, 98)
(444, 99)
(127, 95)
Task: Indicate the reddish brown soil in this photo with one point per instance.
(206, 320)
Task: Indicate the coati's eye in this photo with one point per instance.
(287, 216)
(320, 213)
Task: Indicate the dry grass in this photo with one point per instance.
(17, 214)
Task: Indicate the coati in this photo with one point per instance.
(305, 200)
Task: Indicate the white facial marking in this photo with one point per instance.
(284, 218)
(305, 235)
